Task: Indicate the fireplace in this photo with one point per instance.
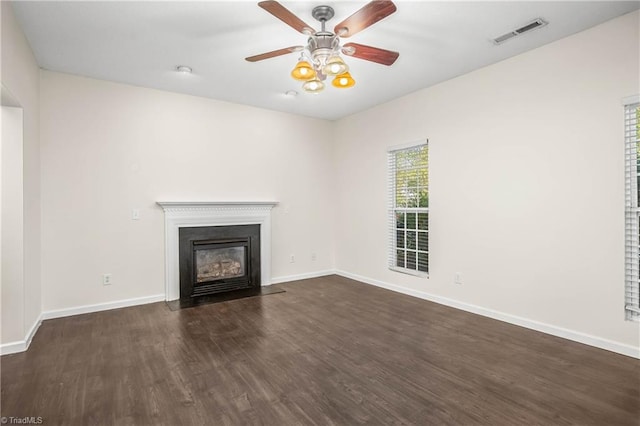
(218, 259)
(190, 214)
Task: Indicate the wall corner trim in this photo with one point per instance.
(21, 345)
(553, 330)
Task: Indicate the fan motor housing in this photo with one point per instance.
(322, 45)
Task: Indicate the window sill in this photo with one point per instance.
(413, 272)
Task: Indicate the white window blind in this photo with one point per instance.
(632, 212)
(408, 187)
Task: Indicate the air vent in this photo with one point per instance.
(511, 34)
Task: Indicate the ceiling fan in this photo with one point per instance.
(320, 57)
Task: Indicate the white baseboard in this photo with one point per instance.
(59, 313)
(13, 347)
(21, 345)
(624, 349)
(576, 336)
(287, 278)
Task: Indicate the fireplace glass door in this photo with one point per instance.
(220, 263)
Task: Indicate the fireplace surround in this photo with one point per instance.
(185, 214)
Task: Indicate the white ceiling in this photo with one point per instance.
(142, 42)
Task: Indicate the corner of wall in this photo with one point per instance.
(20, 75)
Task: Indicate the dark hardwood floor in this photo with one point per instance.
(328, 351)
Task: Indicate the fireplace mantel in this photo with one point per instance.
(179, 214)
(216, 205)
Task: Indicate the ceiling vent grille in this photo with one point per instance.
(511, 34)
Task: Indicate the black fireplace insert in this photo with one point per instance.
(217, 259)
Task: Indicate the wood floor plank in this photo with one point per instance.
(328, 351)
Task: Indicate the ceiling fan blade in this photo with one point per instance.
(368, 53)
(274, 53)
(369, 14)
(285, 15)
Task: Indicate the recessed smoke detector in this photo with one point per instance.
(183, 69)
(537, 23)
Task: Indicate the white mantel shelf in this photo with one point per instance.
(181, 214)
(214, 204)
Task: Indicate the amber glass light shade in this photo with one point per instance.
(343, 81)
(335, 66)
(303, 71)
(313, 86)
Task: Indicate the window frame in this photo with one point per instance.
(393, 209)
(632, 208)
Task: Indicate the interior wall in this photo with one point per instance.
(108, 148)
(526, 183)
(12, 225)
(20, 76)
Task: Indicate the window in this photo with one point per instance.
(409, 209)
(632, 212)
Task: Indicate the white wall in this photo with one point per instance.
(526, 183)
(108, 148)
(12, 225)
(20, 76)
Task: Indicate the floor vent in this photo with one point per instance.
(511, 34)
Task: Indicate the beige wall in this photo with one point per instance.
(20, 75)
(526, 183)
(108, 148)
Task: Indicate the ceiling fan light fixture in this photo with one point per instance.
(335, 66)
(343, 81)
(320, 57)
(303, 71)
(313, 86)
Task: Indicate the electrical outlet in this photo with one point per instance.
(314, 257)
(457, 278)
(292, 259)
(106, 279)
